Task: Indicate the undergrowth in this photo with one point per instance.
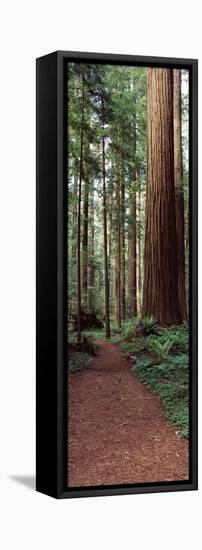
(78, 360)
(162, 364)
(115, 337)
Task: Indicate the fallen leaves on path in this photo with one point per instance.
(117, 430)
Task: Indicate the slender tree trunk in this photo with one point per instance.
(91, 299)
(84, 277)
(107, 322)
(119, 261)
(161, 298)
(179, 192)
(139, 274)
(118, 252)
(79, 222)
(123, 262)
(187, 253)
(74, 245)
(132, 258)
(110, 225)
(132, 237)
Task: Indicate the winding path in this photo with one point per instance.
(118, 432)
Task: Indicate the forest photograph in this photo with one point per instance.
(127, 274)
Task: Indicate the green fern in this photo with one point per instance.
(148, 325)
(160, 350)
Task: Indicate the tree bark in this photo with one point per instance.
(110, 228)
(123, 262)
(84, 277)
(179, 193)
(132, 237)
(161, 298)
(132, 258)
(74, 247)
(79, 222)
(118, 253)
(91, 279)
(139, 274)
(107, 321)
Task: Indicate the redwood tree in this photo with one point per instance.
(84, 277)
(123, 260)
(160, 297)
(132, 234)
(107, 321)
(79, 218)
(91, 279)
(118, 250)
(132, 257)
(179, 194)
(139, 273)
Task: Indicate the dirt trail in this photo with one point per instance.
(118, 432)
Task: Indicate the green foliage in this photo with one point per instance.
(148, 325)
(143, 362)
(129, 327)
(160, 350)
(136, 345)
(165, 371)
(171, 386)
(78, 360)
(127, 330)
(71, 338)
(114, 106)
(115, 329)
(101, 334)
(179, 361)
(96, 333)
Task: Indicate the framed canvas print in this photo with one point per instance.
(116, 274)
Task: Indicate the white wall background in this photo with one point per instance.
(30, 29)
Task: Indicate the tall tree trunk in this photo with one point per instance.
(106, 283)
(132, 236)
(110, 226)
(74, 246)
(84, 277)
(132, 231)
(160, 297)
(139, 274)
(79, 222)
(91, 279)
(132, 258)
(123, 262)
(179, 193)
(118, 252)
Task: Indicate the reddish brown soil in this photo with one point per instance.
(118, 432)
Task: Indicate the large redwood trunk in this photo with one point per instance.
(179, 193)
(160, 297)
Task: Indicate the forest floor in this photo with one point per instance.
(118, 431)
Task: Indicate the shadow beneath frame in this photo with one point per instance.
(27, 481)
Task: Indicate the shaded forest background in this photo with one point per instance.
(128, 244)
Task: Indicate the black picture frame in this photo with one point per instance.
(51, 279)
